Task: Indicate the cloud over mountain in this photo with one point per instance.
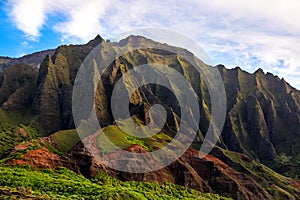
(249, 33)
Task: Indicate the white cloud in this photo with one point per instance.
(29, 16)
(83, 19)
(252, 34)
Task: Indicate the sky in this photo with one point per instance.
(250, 34)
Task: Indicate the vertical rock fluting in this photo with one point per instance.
(263, 114)
(53, 100)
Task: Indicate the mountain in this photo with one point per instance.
(33, 59)
(263, 114)
(261, 134)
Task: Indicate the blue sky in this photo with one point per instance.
(250, 34)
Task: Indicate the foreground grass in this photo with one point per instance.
(25, 182)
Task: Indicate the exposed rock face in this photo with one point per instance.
(263, 114)
(4, 60)
(43, 158)
(208, 175)
(53, 100)
(263, 111)
(85, 161)
(17, 87)
(34, 60)
(263, 117)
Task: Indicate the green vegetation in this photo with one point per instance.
(12, 130)
(65, 140)
(16, 117)
(287, 165)
(276, 184)
(119, 138)
(65, 184)
(17, 86)
(28, 146)
(257, 105)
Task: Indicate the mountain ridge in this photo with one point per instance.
(33, 59)
(262, 123)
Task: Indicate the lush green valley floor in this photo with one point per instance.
(25, 182)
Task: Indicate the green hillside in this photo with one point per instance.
(25, 182)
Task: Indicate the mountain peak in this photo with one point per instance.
(97, 40)
(220, 66)
(238, 68)
(259, 71)
(262, 119)
(135, 40)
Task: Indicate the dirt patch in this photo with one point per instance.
(23, 132)
(43, 158)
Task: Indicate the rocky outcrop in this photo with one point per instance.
(17, 87)
(53, 99)
(209, 174)
(4, 61)
(43, 158)
(227, 173)
(260, 110)
(263, 112)
(262, 122)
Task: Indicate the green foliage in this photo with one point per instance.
(17, 86)
(65, 184)
(284, 159)
(53, 149)
(287, 165)
(10, 124)
(18, 154)
(65, 140)
(276, 184)
(118, 137)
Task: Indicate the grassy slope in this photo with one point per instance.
(10, 124)
(64, 184)
(279, 186)
(124, 141)
(65, 140)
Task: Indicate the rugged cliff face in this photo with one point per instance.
(17, 87)
(262, 122)
(52, 103)
(263, 111)
(34, 59)
(238, 176)
(263, 114)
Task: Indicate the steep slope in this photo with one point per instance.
(263, 115)
(4, 60)
(238, 179)
(34, 59)
(54, 86)
(228, 173)
(262, 119)
(17, 87)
